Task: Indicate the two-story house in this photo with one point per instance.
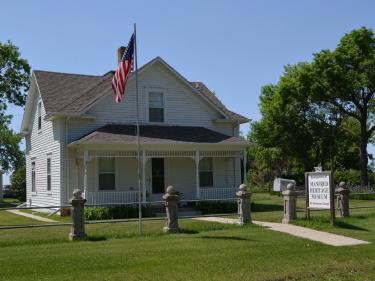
(78, 137)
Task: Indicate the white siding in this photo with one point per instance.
(182, 106)
(41, 144)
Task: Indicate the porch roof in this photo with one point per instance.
(157, 134)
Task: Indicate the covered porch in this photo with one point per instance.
(108, 172)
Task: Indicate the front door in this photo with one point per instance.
(157, 175)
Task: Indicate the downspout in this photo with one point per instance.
(67, 158)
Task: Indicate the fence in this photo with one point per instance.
(78, 206)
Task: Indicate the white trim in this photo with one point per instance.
(163, 93)
(29, 103)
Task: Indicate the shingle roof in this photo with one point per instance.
(202, 88)
(68, 93)
(157, 134)
(60, 90)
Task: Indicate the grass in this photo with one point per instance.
(203, 251)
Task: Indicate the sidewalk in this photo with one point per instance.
(299, 231)
(31, 216)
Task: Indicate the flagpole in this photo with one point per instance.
(138, 146)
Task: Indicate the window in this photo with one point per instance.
(39, 115)
(156, 107)
(107, 173)
(206, 178)
(48, 174)
(32, 176)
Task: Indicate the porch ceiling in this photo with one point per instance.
(157, 134)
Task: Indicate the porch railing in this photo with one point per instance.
(102, 197)
(217, 193)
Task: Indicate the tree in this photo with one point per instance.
(18, 183)
(10, 155)
(344, 80)
(296, 133)
(14, 76)
(14, 82)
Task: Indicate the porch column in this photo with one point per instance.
(244, 167)
(144, 199)
(197, 159)
(85, 165)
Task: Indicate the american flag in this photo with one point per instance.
(123, 70)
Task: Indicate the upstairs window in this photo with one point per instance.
(206, 175)
(39, 115)
(107, 176)
(32, 176)
(48, 174)
(156, 107)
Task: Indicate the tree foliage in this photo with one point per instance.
(344, 80)
(319, 113)
(18, 183)
(14, 75)
(10, 155)
(14, 81)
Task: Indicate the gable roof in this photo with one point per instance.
(67, 93)
(157, 134)
(211, 96)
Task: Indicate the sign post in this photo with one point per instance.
(319, 193)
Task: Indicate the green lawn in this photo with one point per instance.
(203, 251)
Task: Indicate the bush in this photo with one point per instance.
(18, 184)
(207, 207)
(351, 177)
(116, 212)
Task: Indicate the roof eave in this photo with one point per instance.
(76, 143)
(29, 103)
(53, 115)
(232, 121)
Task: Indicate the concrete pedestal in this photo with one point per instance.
(343, 192)
(171, 198)
(290, 206)
(78, 216)
(244, 205)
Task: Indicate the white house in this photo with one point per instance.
(78, 137)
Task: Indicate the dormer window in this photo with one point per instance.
(156, 107)
(39, 115)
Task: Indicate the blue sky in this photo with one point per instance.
(234, 47)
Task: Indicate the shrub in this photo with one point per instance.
(207, 207)
(18, 184)
(351, 177)
(116, 212)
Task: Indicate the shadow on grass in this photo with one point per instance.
(346, 225)
(225, 238)
(256, 207)
(96, 238)
(187, 231)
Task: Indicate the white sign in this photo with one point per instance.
(319, 185)
(280, 184)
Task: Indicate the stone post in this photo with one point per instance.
(171, 198)
(1, 184)
(290, 204)
(244, 196)
(78, 217)
(343, 192)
